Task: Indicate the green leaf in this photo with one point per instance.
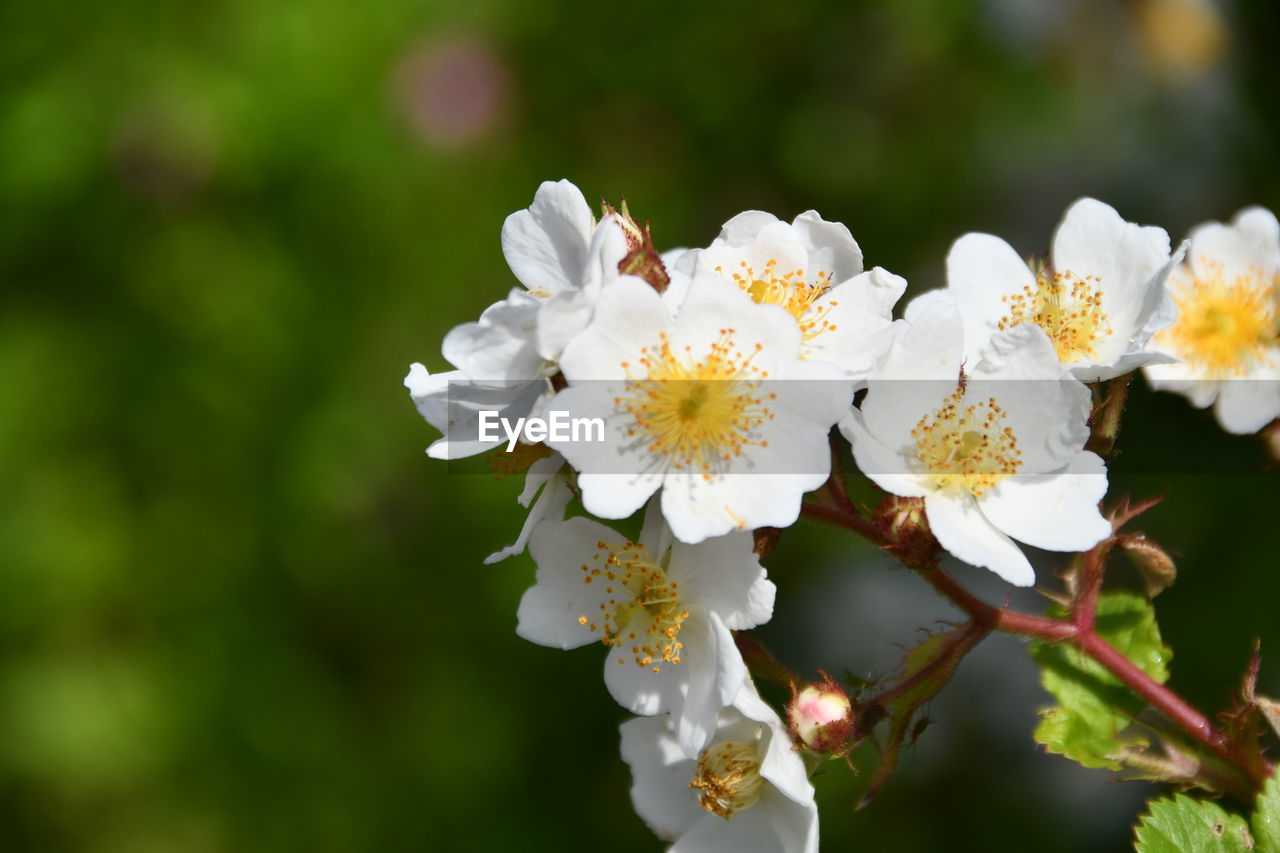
(1266, 820)
(1093, 706)
(1184, 825)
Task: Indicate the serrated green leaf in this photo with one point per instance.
(1184, 825)
(1266, 820)
(1093, 706)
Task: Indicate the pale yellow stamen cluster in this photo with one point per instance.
(697, 413)
(967, 446)
(642, 611)
(790, 290)
(1068, 308)
(728, 777)
(1225, 327)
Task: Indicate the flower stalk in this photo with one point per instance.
(1080, 631)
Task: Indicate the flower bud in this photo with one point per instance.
(643, 259)
(821, 717)
(906, 531)
(1157, 567)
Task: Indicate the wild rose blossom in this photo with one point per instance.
(812, 268)
(746, 790)
(1099, 298)
(664, 609)
(996, 452)
(1228, 330)
(711, 405)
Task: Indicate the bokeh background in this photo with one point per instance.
(240, 610)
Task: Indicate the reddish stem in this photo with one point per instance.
(1079, 630)
(1157, 695)
(1084, 610)
(848, 518)
(998, 618)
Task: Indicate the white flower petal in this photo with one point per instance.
(887, 468)
(1094, 240)
(499, 348)
(1261, 233)
(749, 831)
(661, 774)
(829, 245)
(546, 245)
(615, 495)
(1047, 410)
(713, 306)
(860, 313)
(714, 676)
(1216, 247)
(982, 272)
(655, 535)
(642, 691)
(452, 404)
(569, 311)
(965, 532)
(1058, 512)
(554, 496)
(780, 765)
(743, 228)
(920, 369)
(796, 824)
(549, 610)
(725, 576)
(1247, 405)
(629, 310)
(749, 242)
(1182, 378)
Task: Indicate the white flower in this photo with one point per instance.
(1228, 328)
(746, 791)
(709, 406)
(813, 269)
(1100, 298)
(994, 456)
(664, 609)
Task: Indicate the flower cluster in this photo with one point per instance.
(708, 383)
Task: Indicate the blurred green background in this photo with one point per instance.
(240, 610)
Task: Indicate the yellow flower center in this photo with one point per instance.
(1067, 307)
(967, 446)
(728, 777)
(792, 291)
(1224, 327)
(697, 413)
(643, 611)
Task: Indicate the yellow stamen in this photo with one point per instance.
(643, 611)
(792, 290)
(967, 447)
(694, 413)
(1068, 308)
(728, 776)
(1225, 327)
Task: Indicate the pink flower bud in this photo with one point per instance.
(821, 717)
